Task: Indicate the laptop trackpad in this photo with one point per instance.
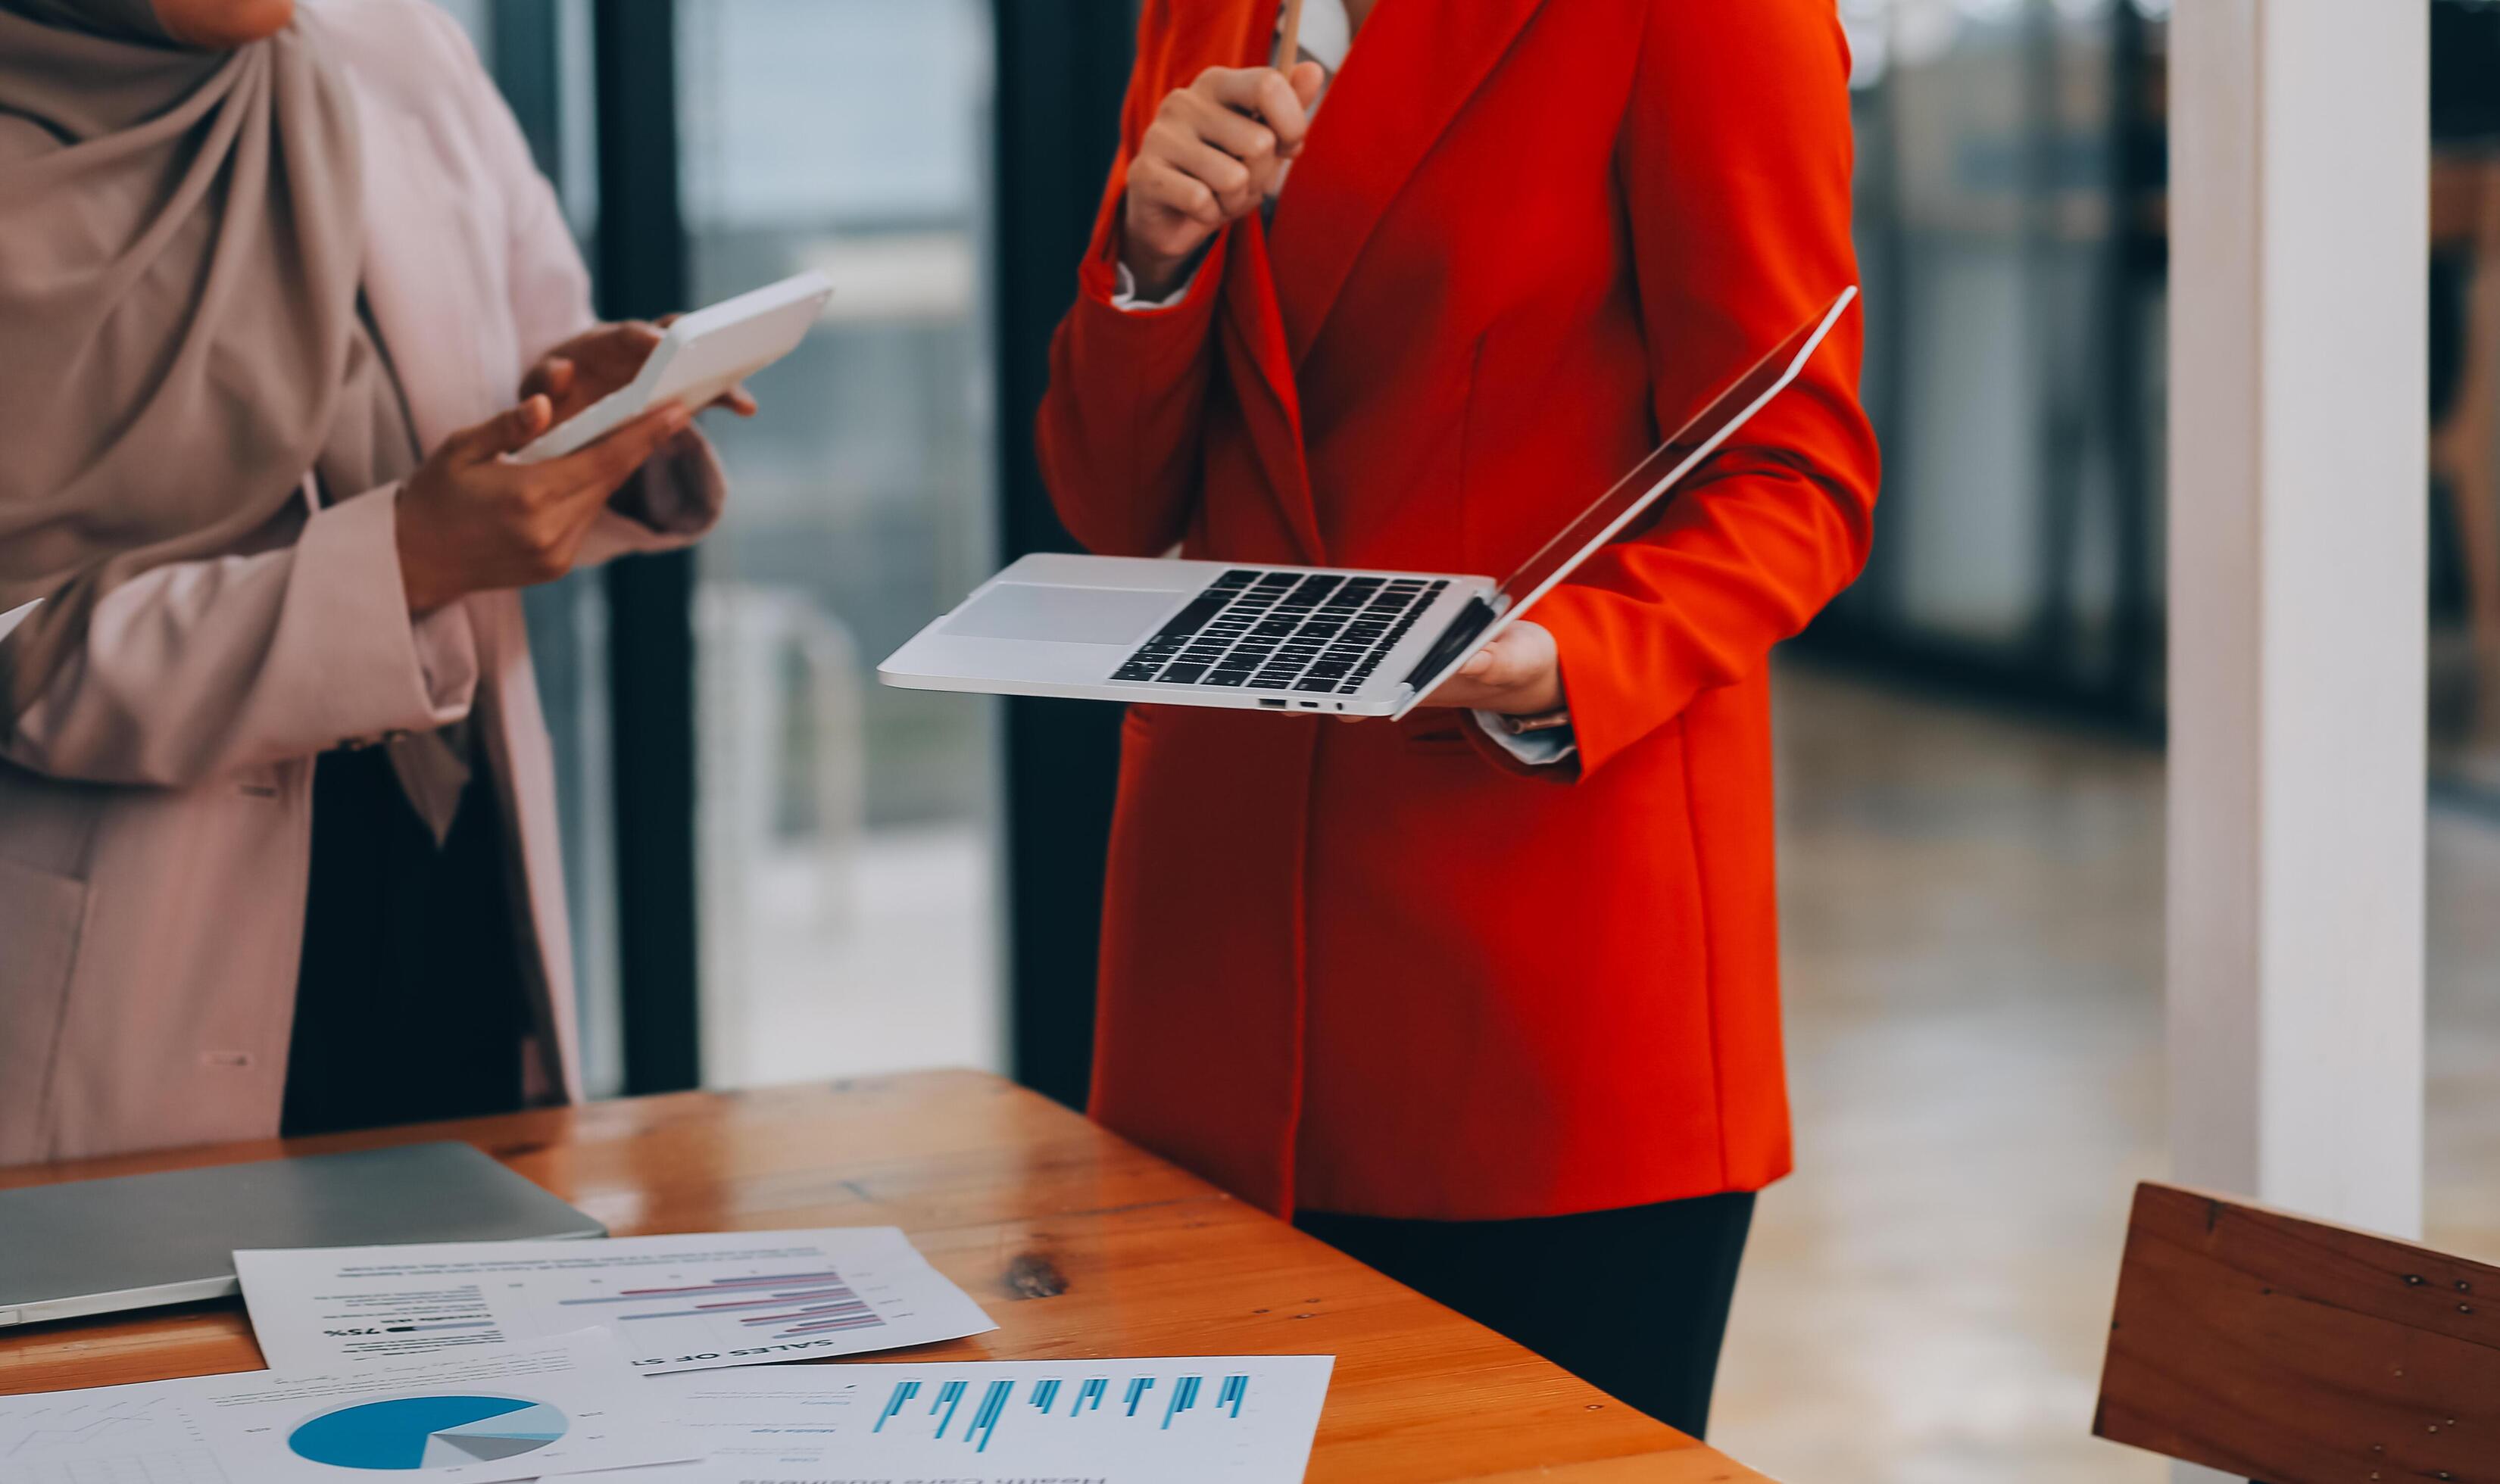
(1023, 610)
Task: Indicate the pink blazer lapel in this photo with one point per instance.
(415, 296)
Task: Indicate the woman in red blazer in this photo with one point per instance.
(1498, 1015)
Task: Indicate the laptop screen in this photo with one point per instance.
(1674, 459)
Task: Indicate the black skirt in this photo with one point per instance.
(409, 1004)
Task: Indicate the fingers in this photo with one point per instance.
(1211, 154)
(1228, 180)
(1266, 93)
(507, 432)
(1471, 685)
(1281, 103)
(1518, 656)
(612, 460)
(1518, 671)
(551, 377)
(1237, 135)
(619, 351)
(737, 400)
(1157, 184)
(1307, 77)
(1235, 88)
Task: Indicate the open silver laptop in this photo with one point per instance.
(1289, 639)
(135, 1240)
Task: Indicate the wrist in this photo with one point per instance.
(423, 579)
(1152, 278)
(1152, 275)
(1545, 698)
(1530, 724)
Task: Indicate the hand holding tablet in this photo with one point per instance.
(698, 357)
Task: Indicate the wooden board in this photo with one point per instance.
(1078, 1243)
(2288, 1350)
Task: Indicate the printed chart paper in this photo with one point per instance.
(683, 1303)
(513, 1412)
(1245, 1419)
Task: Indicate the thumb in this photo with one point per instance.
(1307, 78)
(1477, 663)
(506, 432)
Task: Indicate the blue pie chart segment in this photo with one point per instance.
(427, 1432)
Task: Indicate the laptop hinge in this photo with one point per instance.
(1472, 619)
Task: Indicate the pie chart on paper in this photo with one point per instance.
(427, 1432)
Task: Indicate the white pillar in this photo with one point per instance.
(2298, 205)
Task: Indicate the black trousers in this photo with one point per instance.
(1633, 1301)
(408, 1004)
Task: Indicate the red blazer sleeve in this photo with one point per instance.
(1120, 426)
(1735, 164)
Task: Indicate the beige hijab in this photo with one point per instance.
(181, 240)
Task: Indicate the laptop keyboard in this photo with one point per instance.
(1313, 632)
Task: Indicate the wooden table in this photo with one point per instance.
(1078, 1243)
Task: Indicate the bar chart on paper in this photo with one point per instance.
(687, 1302)
(1219, 1420)
(1133, 1406)
(770, 1306)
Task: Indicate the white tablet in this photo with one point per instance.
(698, 357)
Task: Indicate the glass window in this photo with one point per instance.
(546, 82)
(2465, 399)
(847, 832)
(2011, 239)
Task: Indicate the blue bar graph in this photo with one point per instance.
(985, 1422)
(1042, 1395)
(902, 1393)
(1184, 1397)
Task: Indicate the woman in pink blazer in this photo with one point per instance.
(278, 831)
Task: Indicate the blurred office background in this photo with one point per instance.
(867, 879)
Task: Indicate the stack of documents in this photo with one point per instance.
(479, 1363)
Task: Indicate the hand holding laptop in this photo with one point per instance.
(1520, 674)
(1337, 641)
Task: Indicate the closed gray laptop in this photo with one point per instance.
(135, 1240)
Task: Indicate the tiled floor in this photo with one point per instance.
(1973, 911)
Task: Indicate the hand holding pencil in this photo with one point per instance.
(1209, 158)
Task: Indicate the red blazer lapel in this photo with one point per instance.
(1413, 67)
(1258, 359)
(1263, 375)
